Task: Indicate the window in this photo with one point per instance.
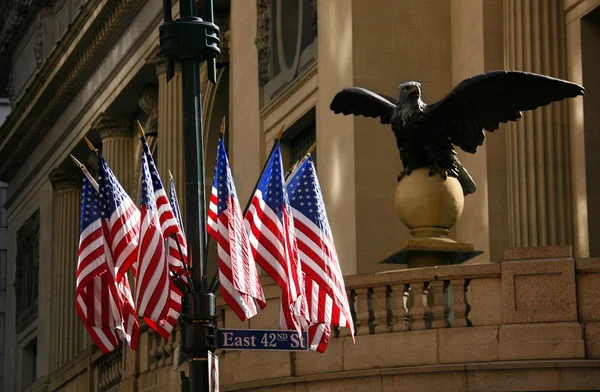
(26, 276)
(286, 40)
(29, 363)
(299, 138)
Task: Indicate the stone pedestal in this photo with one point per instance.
(68, 335)
(429, 207)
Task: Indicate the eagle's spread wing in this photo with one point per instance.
(484, 101)
(362, 102)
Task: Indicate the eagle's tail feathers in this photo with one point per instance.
(466, 181)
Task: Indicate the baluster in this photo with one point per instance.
(438, 290)
(362, 311)
(351, 299)
(398, 306)
(417, 312)
(460, 307)
(379, 306)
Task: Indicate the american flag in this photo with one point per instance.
(120, 227)
(157, 297)
(178, 262)
(271, 232)
(95, 291)
(240, 286)
(325, 289)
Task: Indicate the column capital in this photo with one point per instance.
(111, 126)
(157, 61)
(62, 179)
(149, 104)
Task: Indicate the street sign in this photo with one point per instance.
(262, 339)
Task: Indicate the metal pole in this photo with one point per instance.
(190, 40)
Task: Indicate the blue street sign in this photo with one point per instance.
(262, 339)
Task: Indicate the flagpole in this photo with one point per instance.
(214, 283)
(190, 40)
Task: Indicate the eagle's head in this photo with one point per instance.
(409, 101)
(410, 92)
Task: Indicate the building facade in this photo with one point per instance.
(521, 316)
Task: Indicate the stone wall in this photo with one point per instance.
(529, 323)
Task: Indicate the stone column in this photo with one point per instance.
(149, 104)
(117, 147)
(538, 144)
(68, 336)
(169, 150)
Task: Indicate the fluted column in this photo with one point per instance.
(117, 147)
(68, 335)
(170, 128)
(538, 144)
(149, 104)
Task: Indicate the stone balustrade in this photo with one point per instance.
(483, 327)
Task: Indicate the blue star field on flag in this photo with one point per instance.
(305, 195)
(272, 185)
(90, 207)
(112, 193)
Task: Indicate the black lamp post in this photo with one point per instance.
(191, 40)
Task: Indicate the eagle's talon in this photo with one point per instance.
(404, 173)
(434, 168)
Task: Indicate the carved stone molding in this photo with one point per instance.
(32, 116)
(157, 61)
(313, 7)
(222, 20)
(65, 179)
(110, 126)
(262, 41)
(38, 48)
(16, 13)
(149, 104)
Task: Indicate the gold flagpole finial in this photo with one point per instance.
(280, 132)
(76, 161)
(222, 130)
(170, 175)
(312, 148)
(140, 129)
(90, 145)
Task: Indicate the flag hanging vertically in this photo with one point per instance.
(324, 283)
(95, 291)
(157, 298)
(120, 227)
(271, 232)
(238, 276)
(177, 261)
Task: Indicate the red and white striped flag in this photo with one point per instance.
(157, 297)
(325, 289)
(177, 251)
(240, 286)
(120, 227)
(95, 288)
(271, 232)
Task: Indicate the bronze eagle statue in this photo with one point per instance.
(426, 134)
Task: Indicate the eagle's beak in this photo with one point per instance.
(414, 91)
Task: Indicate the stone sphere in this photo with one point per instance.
(426, 204)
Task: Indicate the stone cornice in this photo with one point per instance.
(58, 81)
